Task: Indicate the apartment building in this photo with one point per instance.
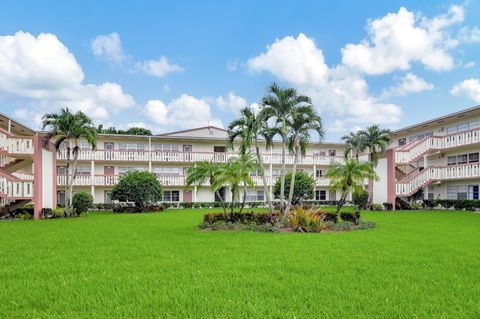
(435, 159)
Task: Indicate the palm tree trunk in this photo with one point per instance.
(341, 202)
(70, 184)
(370, 185)
(221, 202)
(292, 182)
(244, 197)
(67, 183)
(264, 178)
(282, 175)
(233, 201)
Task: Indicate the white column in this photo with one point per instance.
(92, 174)
(150, 154)
(425, 189)
(9, 125)
(194, 194)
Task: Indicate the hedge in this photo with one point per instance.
(458, 204)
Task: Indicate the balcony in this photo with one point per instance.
(12, 189)
(191, 157)
(436, 173)
(415, 150)
(16, 145)
(166, 180)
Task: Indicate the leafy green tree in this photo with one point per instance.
(304, 188)
(140, 187)
(304, 120)
(349, 177)
(204, 171)
(250, 128)
(82, 202)
(354, 143)
(377, 141)
(235, 173)
(69, 128)
(130, 131)
(277, 106)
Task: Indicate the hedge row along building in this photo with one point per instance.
(435, 159)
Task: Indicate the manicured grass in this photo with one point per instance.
(413, 264)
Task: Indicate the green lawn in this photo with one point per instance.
(159, 265)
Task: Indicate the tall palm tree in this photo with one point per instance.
(354, 143)
(234, 173)
(204, 171)
(349, 178)
(277, 107)
(377, 141)
(250, 128)
(69, 128)
(304, 120)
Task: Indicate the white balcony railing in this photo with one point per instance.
(166, 180)
(12, 189)
(415, 150)
(15, 145)
(191, 157)
(437, 173)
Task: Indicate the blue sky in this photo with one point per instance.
(175, 65)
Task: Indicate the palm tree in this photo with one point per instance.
(250, 127)
(354, 143)
(277, 106)
(234, 173)
(69, 128)
(304, 120)
(204, 171)
(376, 140)
(349, 178)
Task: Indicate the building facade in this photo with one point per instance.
(436, 159)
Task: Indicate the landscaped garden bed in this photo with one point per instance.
(300, 219)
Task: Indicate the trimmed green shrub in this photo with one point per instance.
(387, 206)
(376, 207)
(303, 190)
(58, 212)
(140, 187)
(458, 204)
(82, 202)
(360, 199)
(352, 217)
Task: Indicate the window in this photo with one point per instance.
(463, 127)
(167, 170)
(320, 195)
(452, 160)
(319, 173)
(124, 169)
(402, 141)
(473, 192)
(275, 172)
(473, 158)
(108, 197)
(255, 195)
(332, 153)
(462, 159)
(165, 147)
(131, 147)
(171, 196)
(219, 149)
(451, 192)
(61, 170)
(462, 192)
(321, 153)
(85, 145)
(332, 195)
(83, 170)
(61, 198)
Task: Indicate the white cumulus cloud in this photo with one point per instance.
(410, 83)
(297, 60)
(42, 70)
(469, 88)
(108, 46)
(159, 68)
(183, 112)
(398, 39)
(231, 102)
